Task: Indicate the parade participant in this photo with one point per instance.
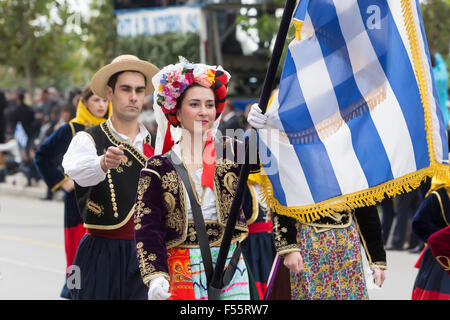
(258, 248)
(432, 282)
(92, 110)
(105, 161)
(324, 256)
(188, 188)
(439, 243)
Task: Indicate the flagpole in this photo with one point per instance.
(216, 281)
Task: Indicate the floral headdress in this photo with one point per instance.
(173, 80)
(170, 83)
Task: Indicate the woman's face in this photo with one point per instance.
(97, 106)
(198, 110)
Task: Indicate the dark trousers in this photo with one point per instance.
(107, 270)
(405, 207)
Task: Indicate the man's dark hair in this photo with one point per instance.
(21, 94)
(113, 79)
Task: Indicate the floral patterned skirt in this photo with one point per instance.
(332, 265)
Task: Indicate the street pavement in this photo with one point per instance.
(32, 258)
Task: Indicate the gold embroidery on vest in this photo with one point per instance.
(230, 182)
(97, 209)
(124, 162)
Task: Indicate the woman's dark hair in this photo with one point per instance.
(181, 97)
(86, 93)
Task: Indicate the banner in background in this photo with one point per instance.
(152, 21)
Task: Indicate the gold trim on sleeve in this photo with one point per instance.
(59, 184)
(152, 276)
(72, 128)
(442, 207)
(380, 265)
(288, 249)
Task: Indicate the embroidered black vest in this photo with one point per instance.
(108, 205)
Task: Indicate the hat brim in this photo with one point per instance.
(101, 77)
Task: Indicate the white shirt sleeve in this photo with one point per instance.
(81, 162)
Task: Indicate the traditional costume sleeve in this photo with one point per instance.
(150, 226)
(49, 152)
(429, 218)
(81, 161)
(439, 243)
(285, 234)
(369, 228)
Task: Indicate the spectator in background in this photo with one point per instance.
(231, 120)
(46, 126)
(3, 105)
(49, 102)
(22, 116)
(72, 97)
(11, 104)
(65, 114)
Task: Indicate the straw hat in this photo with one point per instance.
(124, 62)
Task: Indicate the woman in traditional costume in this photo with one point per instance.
(432, 281)
(91, 110)
(188, 181)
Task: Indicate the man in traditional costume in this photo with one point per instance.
(105, 162)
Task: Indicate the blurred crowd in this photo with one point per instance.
(25, 123)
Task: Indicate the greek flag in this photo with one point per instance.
(356, 116)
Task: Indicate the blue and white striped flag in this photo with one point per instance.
(357, 115)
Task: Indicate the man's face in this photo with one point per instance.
(128, 96)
